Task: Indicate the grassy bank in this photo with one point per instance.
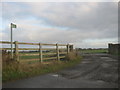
(15, 71)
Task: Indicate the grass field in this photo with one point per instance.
(93, 51)
(30, 56)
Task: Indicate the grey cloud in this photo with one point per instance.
(84, 21)
(91, 17)
(75, 14)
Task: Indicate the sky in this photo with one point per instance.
(83, 24)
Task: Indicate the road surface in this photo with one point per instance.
(94, 71)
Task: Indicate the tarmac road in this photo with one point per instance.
(95, 71)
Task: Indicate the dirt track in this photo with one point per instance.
(95, 71)
(95, 67)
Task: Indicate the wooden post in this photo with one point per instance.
(71, 48)
(110, 48)
(40, 53)
(68, 49)
(16, 51)
(57, 51)
(76, 50)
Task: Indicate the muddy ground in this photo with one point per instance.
(94, 71)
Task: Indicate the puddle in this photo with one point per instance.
(55, 75)
(105, 65)
(85, 62)
(104, 57)
(100, 81)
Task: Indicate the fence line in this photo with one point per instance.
(57, 53)
(7, 42)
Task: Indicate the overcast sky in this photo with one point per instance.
(84, 24)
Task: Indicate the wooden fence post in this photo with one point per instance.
(40, 53)
(68, 49)
(16, 51)
(57, 51)
(71, 48)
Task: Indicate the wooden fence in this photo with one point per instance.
(56, 55)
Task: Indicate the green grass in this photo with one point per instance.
(94, 51)
(23, 57)
(17, 71)
(28, 57)
(31, 56)
(35, 57)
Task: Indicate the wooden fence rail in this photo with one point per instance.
(57, 54)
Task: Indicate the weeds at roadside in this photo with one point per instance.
(15, 70)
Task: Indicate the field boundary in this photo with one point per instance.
(57, 50)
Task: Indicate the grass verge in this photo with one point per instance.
(94, 51)
(15, 71)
